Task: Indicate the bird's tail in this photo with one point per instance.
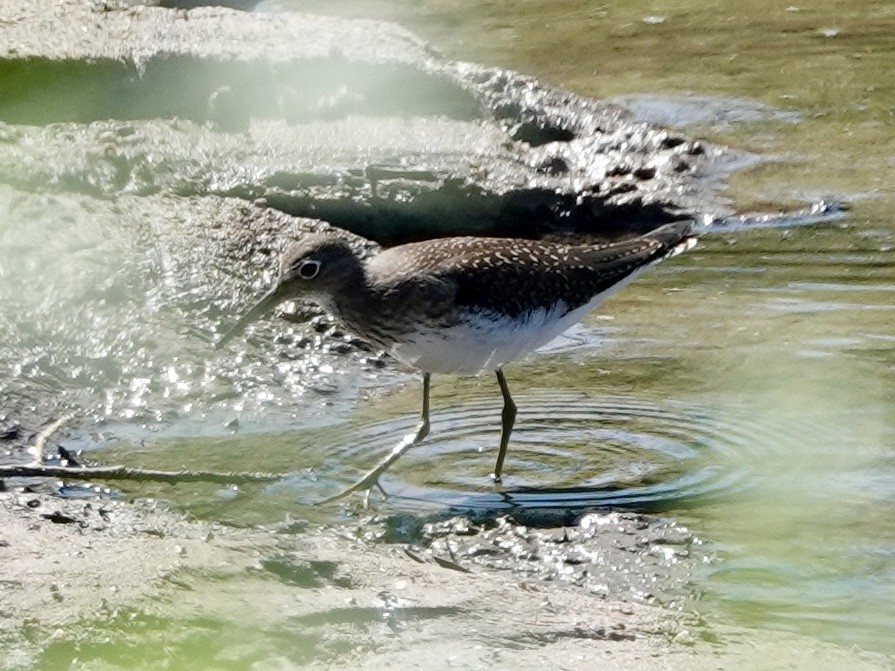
(675, 238)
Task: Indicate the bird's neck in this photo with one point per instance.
(353, 301)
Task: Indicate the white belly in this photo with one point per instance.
(488, 341)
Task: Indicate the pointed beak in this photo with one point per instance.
(271, 299)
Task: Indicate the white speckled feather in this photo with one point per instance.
(486, 341)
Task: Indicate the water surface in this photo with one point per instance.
(747, 387)
(744, 389)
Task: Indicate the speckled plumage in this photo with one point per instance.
(466, 304)
(469, 288)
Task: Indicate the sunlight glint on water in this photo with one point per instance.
(756, 408)
(763, 419)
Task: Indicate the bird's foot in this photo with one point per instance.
(370, 491)
(371, 479)
(366, 485)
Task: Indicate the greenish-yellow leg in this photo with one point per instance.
(371, 478)
(508, 418)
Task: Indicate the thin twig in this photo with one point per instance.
(37, 469)
(128, 473)
(41, 440)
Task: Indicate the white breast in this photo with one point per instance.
(486, 341)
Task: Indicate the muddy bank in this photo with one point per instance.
(358, 121)
(83, 575)
(112, 585)
(150, 156)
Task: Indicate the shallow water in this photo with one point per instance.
(744, 389)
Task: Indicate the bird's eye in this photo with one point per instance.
(308, 269)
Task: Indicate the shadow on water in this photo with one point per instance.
(571, 452)
(568, 450)
(774, 442)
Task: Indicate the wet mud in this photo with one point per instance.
(160, 158)
(153, 164)
(356, 591)
(112, 584)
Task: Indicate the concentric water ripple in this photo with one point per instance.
(568, 450)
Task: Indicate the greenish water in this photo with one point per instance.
(745, 389)
(785, 338)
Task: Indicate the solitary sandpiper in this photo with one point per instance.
(461, 305)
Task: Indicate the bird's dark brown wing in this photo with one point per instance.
(516, 276)
(573, 275)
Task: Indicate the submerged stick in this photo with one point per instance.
(138, 474)
(37, 469)
(41, 440)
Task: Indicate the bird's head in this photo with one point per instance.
(317, 268)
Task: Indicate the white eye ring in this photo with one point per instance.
(308, 269)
